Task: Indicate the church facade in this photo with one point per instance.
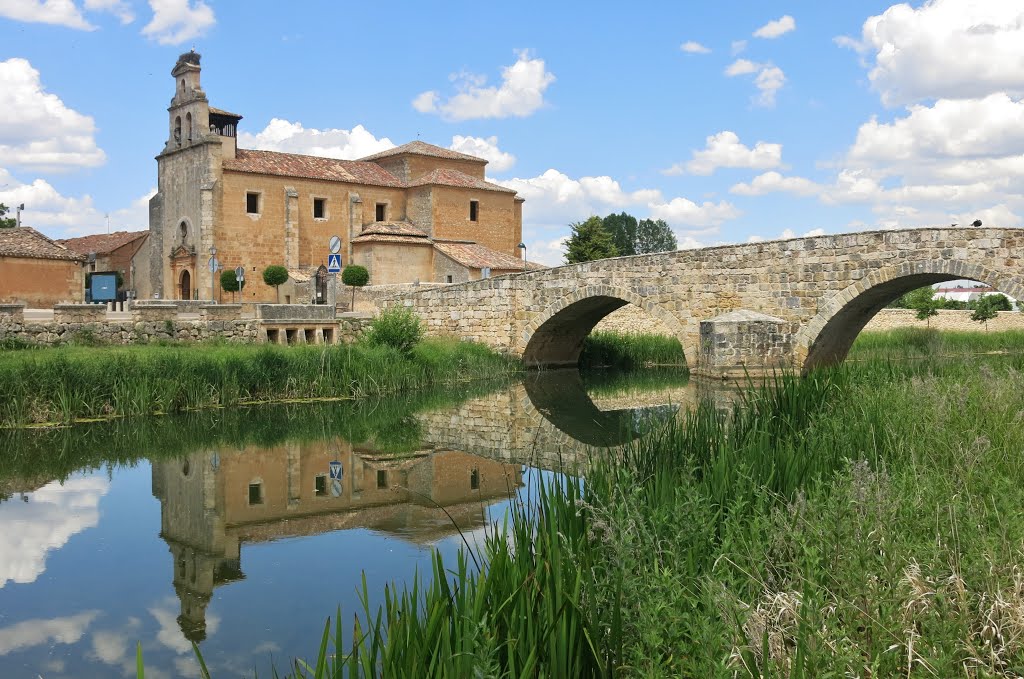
(415, 213)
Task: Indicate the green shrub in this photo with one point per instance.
(398, 328)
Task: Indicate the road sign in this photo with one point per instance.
(240, 274)
(335, 469)
(335, 245)
(334, 263)
(336, 488)
(213, 264)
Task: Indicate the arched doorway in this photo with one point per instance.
(185, 291)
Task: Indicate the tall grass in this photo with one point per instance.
(604, 349)
(67, 384)
(865, 521)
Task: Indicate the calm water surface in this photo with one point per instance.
(244, 530)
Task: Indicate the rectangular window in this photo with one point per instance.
(474, 480)
(448, 279)
(252, 203)
(382, 478)
(381, 211)
(319, 208)
(255, 493)
(474, 210)
(320, 489)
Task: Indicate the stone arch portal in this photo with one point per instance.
(827, 338)
(555, 338)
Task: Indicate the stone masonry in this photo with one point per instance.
(823, 290)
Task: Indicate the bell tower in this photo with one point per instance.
(189, 112)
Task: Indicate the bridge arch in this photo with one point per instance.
(554, 338)
(827, 338)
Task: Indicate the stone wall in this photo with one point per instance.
(52, 333)
(632, 320)
(948, 319)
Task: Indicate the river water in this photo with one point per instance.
(244, 530)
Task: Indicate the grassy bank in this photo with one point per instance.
(628, 351)
(866, 521)
(921, 343)
(65, 384)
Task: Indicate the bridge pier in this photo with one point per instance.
(742, 343)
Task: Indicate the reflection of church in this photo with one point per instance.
(212, 502)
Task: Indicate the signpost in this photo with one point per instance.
(336, 471)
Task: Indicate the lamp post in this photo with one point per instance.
(213, 273)
(522, 246)
(18, 211)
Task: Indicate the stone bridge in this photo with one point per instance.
(787, 304)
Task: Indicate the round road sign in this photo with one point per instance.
(335, 245)
(240, 273)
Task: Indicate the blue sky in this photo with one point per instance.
(730, 120)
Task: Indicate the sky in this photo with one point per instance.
(732, 121)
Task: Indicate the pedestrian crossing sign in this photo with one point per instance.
(333, 263)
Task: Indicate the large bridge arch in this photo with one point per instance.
(555, 335)
(827, 338)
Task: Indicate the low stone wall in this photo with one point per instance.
(372, 298)
(79, 313)
(221, 312)
(53, 333)
(947, 319)
(13, 313)
(295, 312)
(632, 320)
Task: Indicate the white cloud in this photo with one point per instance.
(737, 47)
(945, 49)
(771, 182)
(725, 150)
(706, 216)
(61, 216)
(769, 78)
(289, 137)
(178, 21)
(37, 129)
(693, 47)
(120, 8)
(58, 12)
(774, 29)
(486, 148)
(521, 93)
(741, 67)
(66, 630)
(45, 523)
(546, 251)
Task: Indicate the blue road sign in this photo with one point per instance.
(335, 470)
(333, 263)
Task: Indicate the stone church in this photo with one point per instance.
(415, 213)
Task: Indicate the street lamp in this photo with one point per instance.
(213, 273)
(18, 210)
(522, 246)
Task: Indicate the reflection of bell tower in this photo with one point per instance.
(192, 524)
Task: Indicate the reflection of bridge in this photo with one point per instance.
(795, 303)
(212, 502)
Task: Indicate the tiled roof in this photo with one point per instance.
(388, 238)
(476, 256)
(422, 148)
(310, 167)
(27, 242)
(222, 112)
(395, 229)
(101, 243)
(445, 177)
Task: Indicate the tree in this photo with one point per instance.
(654, 236)
(999, 302)
(589, 241)
(229, 282)
(6, 222)
(275, 275)
(926, 309)
(355, 276)
(623, 230)
(984, 310)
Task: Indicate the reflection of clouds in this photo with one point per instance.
(46, 522)
(67, 630)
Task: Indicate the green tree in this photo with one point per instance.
(984, 310)
(229, 282)
(275, 275)
(915, 299)
(6, 222)
(999, 302)
(654, 235)
(926, 310)
(589, 241)
(355, 276)
(623, 230)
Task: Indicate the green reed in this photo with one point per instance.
(72, 383)
(603, 349)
